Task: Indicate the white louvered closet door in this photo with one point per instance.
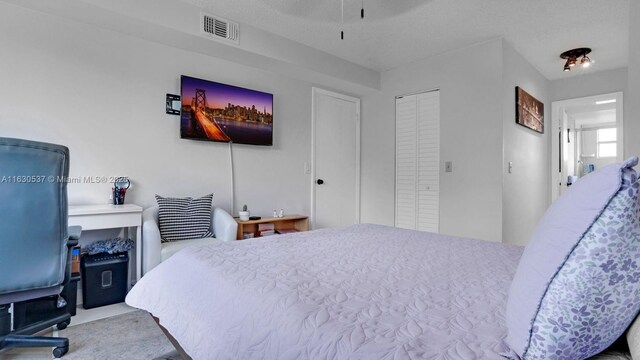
(406, 164)
(418, 162)
(428, 216)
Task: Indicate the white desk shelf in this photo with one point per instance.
(99, 217)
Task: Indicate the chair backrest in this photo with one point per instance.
(33, 214)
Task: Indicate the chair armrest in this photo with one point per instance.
(72, 241)
(75, 232)
(223, 225)
(74, 236)
(151, 240)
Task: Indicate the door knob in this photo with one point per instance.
(319, 181)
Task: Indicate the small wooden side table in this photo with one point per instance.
(290, 223)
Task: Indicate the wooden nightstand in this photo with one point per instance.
(291, 223)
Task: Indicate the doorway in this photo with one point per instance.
(588, 135)
(335, 153)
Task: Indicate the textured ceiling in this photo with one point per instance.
(597, 117)
(396, 32)
(589, 108)
(587, 112)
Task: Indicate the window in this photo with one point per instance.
(607, 142)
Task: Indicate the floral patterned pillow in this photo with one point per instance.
(594, 295)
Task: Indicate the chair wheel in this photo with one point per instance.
(63, 325)
(60, 351)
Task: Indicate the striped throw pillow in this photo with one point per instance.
(184, 218)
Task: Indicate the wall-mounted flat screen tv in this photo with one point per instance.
(218, 112)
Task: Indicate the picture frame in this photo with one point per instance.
(529, 111)
(213, 111)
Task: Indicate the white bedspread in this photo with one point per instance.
(362, 292)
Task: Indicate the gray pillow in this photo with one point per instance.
(184, 218)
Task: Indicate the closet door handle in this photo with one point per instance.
(319, 181)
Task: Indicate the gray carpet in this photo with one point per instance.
(131, 336)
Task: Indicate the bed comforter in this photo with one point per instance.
(361, 292)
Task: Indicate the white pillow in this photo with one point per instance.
(633, 338)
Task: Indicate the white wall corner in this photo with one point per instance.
(525, 190)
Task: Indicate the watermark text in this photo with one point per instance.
(36, 179)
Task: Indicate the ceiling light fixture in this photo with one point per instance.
(573, 55)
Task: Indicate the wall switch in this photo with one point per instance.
(448, 166)
(307, 168)
(510, 167)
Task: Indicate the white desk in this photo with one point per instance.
(97, 217)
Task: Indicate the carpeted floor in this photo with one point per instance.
(128, 336)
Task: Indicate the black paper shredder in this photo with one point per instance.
(104, 279)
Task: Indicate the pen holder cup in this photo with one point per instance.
(118, 196)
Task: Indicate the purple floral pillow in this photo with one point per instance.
(594, 293)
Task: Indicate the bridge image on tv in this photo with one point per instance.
(219, 112)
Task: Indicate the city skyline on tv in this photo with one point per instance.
(219, 95)
(225, 113)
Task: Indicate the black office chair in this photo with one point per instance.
(35, 243)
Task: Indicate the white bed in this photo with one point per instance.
(362, 292)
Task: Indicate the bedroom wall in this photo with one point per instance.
(471, 137)
(525, 194)
(632, 103)
(589, 84)
(479, 199)
(177, 24)
(102, 94)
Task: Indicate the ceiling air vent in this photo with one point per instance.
(219, 29)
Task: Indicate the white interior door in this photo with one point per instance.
(429, 161)
(336, 160)
(567, 136)
(418, 162)
(406, 162)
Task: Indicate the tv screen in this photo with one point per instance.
(218, 112)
